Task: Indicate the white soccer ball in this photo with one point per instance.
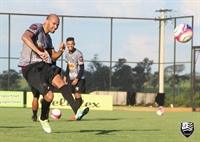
(160, 111)
(56, 113)
(183, 33)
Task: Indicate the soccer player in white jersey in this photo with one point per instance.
(35, 61)
(75, 71)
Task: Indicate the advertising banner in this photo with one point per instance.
(94, 102)
(11, 99)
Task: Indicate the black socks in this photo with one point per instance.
(79, 101)
(34, 113)
(67, 94)
(44, 109)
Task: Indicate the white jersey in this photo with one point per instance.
(74, 60)
(41, 40)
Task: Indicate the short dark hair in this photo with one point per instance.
(70, 39)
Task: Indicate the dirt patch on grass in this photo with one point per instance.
(166, 109)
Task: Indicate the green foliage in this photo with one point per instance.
(154, 79)
(141, 74)
(122, 78)
(170, 70)
(14, 80)
(182, 100)
(168, 100)
(172, 76)
(197, 99)
(97, 76)
(126, 78)
(176, 79)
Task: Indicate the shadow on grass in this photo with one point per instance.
(100, 119)
(96, 119)
(106, 132)
(14, 127)
(102, 132)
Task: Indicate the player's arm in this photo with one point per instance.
(81, 65)
(80, 72)
(55, 55)
(27, 39)
(75, 81)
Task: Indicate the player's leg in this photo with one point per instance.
(78, 98)
(37, 76)
(53, 77)
(77, 92)
(47, 110)
(46, 101)
(67, 94)
(56, 80)
(45, 104)
(35, 105)
(47, 114)
(45, 74)
(65, 91)
(79, 89)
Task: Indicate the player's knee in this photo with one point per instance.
(35, 100)
(58, 83)
(49, 96)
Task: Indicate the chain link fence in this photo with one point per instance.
(120, 54)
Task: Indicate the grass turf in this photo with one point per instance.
(98, 126)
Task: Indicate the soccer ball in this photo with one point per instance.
(183, 33)
(56, 113)
(160, 111)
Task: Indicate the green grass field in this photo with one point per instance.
(98, 126)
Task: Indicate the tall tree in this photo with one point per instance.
(154, 79)
(122, 79)
(169, 70)
(89, 82)
(142, 73)
(14, 80)
(172, 74)
(98, 74)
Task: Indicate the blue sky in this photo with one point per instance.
(132, 39)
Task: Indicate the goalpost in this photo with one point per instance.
(195, 52)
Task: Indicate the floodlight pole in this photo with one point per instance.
(161, 60)
(161, 94)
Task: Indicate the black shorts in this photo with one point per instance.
(79, 87)
(40, 76)
(36, 93)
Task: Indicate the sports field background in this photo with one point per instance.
(99, 126)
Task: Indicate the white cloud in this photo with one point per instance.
(126, 8)
(190, 7)
(90, 49)
(136, 48)
(64, 7)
